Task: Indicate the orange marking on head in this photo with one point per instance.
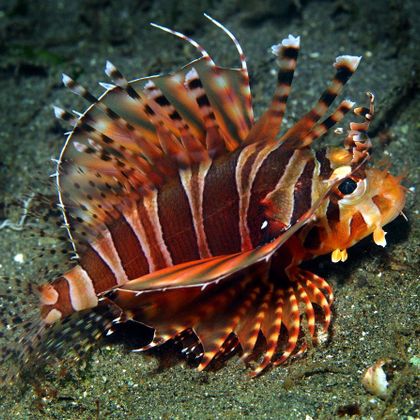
(377, 199)
(48, 294)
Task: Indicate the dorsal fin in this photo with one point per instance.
(139, 134)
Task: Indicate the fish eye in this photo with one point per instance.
(348, 186)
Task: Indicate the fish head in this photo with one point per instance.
(361, 203)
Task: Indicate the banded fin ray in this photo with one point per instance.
(243, 305)
(296, 136)
(269, 124)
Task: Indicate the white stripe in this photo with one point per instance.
(151, 206)
(317, 190)
(286, 186)
(53, 316)
(195, 202)
(369, 211)
(106, 250)
(81, 290)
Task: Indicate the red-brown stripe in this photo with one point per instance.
(102, 276)
(63, 303)
(325, 167)
(221, 206)
(312, 240)
(357, 225)
(177, 223)
(302, 195)
(265, 181)
(129, 249)
(333, 213)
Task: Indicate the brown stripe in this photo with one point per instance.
(194, 84)
(128, 247)
(221, 206)
(381, 202)
(102, 276)
(291, 53)
(343, 74)
(280, 261)
(176, 222)
(302, 196)
(265, 181)
(327, 97)
(325, 169)
(333, 213)
(285, 76)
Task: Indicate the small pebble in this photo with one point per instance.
(19, 258)
(374, 380)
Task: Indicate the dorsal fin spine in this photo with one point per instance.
(345, 66)
(268, 126)
(244, 68)
(195, 44)
(117, 77)
(321, 128)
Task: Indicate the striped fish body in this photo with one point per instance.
(215, 208)
(188, 216)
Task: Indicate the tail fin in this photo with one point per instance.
(28, 344)
(25, 340)
(21, 326)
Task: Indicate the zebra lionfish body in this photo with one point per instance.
(191, 218)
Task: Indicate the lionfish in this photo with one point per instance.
(191, 218)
